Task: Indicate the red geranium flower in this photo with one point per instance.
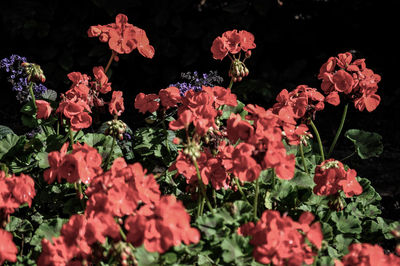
(43, 109)
(146, 103)
(116, 106)
(8, 250)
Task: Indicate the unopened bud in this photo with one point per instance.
(248, 54)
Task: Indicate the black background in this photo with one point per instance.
(294, 38)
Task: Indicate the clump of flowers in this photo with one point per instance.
(330, 177)
(14, 191)
(81, 165)
(231, 43)
(21, 76)
(365, 254)
(295, 108)
(281, 241)
(352, 79)
(123, 37)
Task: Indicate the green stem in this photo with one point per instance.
(81, 196)
(71, 137)
(241, 190)
(256, 199)
(348, 156)
(214, 194)
(113, 54)
(58, 127)
(339, 130)
(321, 149)
(302, 157)
(230, 84)
(202, 187)
(166, 134)
(32, 95)
(111, 151)
(199, 203)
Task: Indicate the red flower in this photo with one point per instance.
(165, 225)
(219, 48)
(246, 40)
(123, 37)
(102, 84)
(232, 40)
(116, 106)
(43, 109)
(183, 121)
(331, 177)
(238, 128)
(365, 254)
(8, 250)
(170, 97)
(146, 103)
(343, 81)
(80, 121)
(277, 239)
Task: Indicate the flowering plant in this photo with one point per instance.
(209, 181)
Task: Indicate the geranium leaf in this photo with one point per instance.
(367, 144)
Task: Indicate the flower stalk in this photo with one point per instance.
(339, 130)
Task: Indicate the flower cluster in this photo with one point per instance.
(125, 191)
(330, 177)
(281, 241)
(261, 144)
(169, 97)
(83, 94)
(364, 254)
(18, 77)
(196, 82)
(81, 165)
(14, 191)
(299, 104)
(357, 82)
(232, 42)
(8, 250)
(123, 37)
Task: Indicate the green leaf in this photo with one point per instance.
(146, 258)
(346, 223)
(232, 247)
(341, 244)
(4, 130)
(42, 158)
(228, 110)
(93, 139)
(18, 225)
(302, 180)
(48, 229)
(50, 95)
(367, 144)
(7, 143)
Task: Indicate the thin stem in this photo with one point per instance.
(230, 84)
(58, 127)
(113, 54)
(166, 134)
(214, 194)
(256, 199)
(32, 95)
(202, 187)
(199, 203)
(339, 130)
(321, 149)
(111, 151)
(71, 137)
(241, 190)
(81, 196)
(348, 156)
(302, 157)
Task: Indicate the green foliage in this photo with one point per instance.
(367, 144)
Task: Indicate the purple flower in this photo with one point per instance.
(17, 76)
(196, 81)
